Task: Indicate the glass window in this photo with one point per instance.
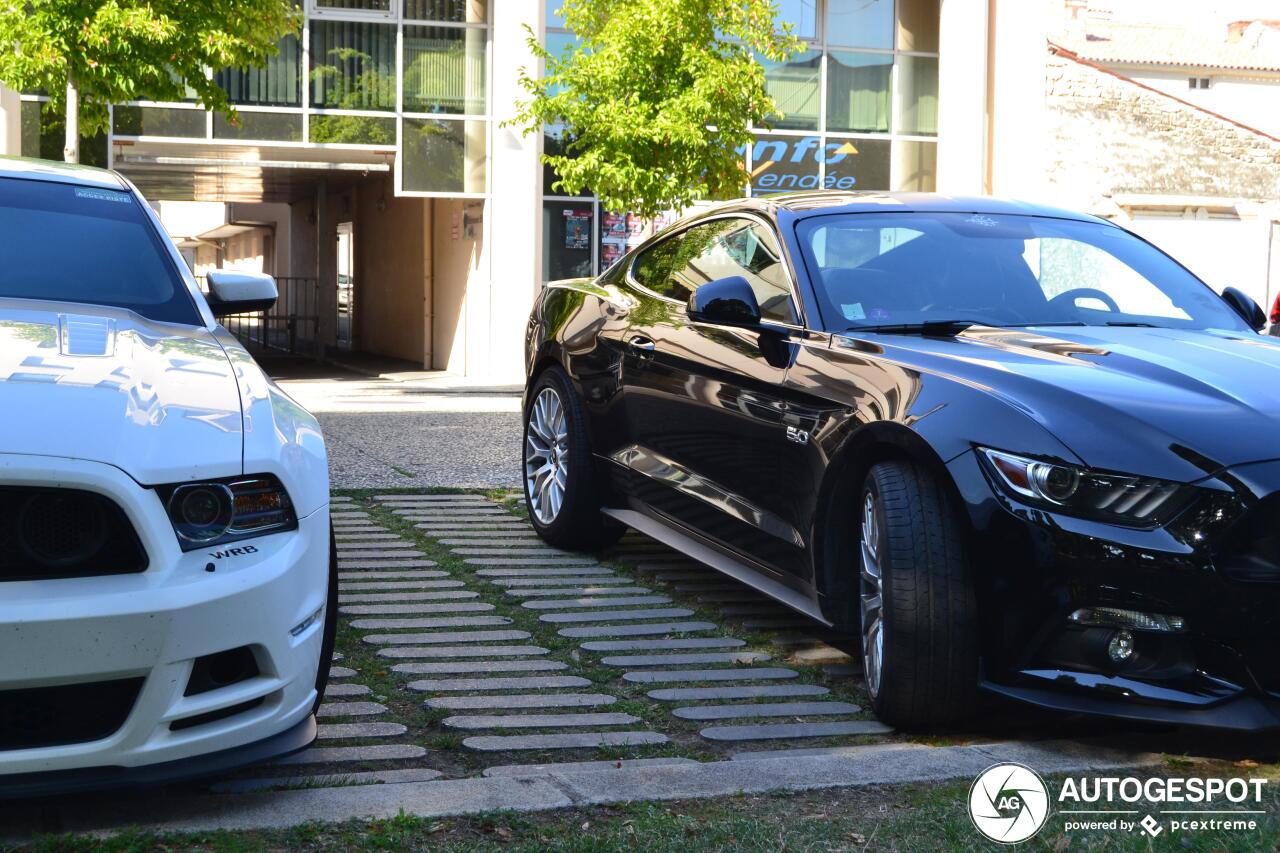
(860, 23)
(376, 6)
(353, 130)
(801, 14)
(918, 25)
(44, 134)
(444, 156)
(998, 270)
(277, 127)
(567, 229)
(453, 11)
(785, 164)
(159, 121)
(917, 112)
(793, 85)
(858, 87)
(277, 84)
(915, 166)
(353, 65)
(89, 245)
(751, 251)
(444, 70)
(857, 164)
(554, 18)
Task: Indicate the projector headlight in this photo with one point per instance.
(1114, 498)
(218, 511)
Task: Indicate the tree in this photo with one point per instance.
(88, 54)
(655, 98)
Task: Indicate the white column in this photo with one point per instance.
(962, 96)
(1018, 117)
(10, 122)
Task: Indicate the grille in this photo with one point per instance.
(64, 533)
(73, 713)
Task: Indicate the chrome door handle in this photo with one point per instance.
(642, 343)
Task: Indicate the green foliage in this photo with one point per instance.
(654, 99)
(124, 50)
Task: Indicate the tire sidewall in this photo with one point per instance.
(872, 487)
(555, 379)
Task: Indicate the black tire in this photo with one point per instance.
(929, 673)
(330, 625)
(578, 525)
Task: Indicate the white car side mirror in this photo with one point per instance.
(235, 292)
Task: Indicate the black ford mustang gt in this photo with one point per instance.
(1016, 448)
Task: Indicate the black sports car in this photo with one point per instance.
(1018, 449)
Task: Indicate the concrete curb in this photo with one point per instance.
(857, 767)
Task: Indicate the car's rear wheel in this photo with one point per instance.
(330, 631)
(559, 478)
(918, 611)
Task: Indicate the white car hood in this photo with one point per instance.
(159, 401)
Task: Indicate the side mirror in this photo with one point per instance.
(1245, 307)
(234, 292)
(726, 301)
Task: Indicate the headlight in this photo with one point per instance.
(1114, 498)
(218, 511)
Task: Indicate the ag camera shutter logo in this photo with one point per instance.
(1009, 803)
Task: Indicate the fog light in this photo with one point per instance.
(1120, 649)
(1114, 617)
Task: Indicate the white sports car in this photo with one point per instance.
(167, 580)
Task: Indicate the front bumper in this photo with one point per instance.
(149, 629)
(1034, 568)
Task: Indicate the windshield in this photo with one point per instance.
(907, 269)
(86, 244)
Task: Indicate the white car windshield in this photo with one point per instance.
(72, 243)
(908, 269)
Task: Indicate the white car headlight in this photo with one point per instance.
(218, 511)
(1114, 498)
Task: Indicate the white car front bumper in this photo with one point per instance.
(153, 625)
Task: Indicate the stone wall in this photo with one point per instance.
(1108, 135)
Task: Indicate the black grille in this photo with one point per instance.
(73, 713)
(64, 533)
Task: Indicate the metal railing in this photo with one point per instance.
(292, 325)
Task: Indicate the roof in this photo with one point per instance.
(1258, 49)
(65, 173)
(838, 201)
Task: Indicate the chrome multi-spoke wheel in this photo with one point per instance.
(546, 456)
(872, 597)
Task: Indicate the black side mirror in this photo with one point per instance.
(726, 301)
(1245, 307)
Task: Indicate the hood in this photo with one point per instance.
(158, 401)
(1162, 402)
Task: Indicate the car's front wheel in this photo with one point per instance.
(919, 625)
(559, 478)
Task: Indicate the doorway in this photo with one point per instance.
(346, 287)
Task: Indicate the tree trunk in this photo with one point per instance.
(71, 147)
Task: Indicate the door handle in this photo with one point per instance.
(642, 343)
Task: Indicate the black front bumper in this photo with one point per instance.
(26, 785)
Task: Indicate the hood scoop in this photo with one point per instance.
(86, 336)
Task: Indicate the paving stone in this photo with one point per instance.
(380, 554)
(333, 754)
(478, 667)
(368, 777)
(472, 542)
(545, 551)
(375, 586)
(459, 651)
(435, 595)
(610, 615)
(641, 630)
(536, 592)
(850, 750)
(341, 672)
(334, 731)
(787, 731)
(577, 740)
(531, 561)
(744, 691)
(531, 573)
(521, 701)
(727, 674)
(336, 691)
(443, 622)
(560, 581)
(350, 709)
(414, 563)
(478, 513)
(342, 527)
(337, 656)
(340, 499)
(390, 549)
(445, 637)
(580, 766)
(621, 601)
(489, 533)
(534, 682)
(482, 523)
(371, 536)
(659, 645)
(824, 655)
(404, 574)
(537, 721)
(780, 709)
(392, 609)
(434, 496)
(685, 659)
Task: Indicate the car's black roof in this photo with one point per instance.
(801, 204)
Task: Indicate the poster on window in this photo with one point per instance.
(609, 253)
(615, 227)
(577, 229)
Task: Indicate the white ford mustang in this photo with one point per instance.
(167, 581)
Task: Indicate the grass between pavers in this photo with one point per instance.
(898, 817)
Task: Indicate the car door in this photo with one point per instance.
(704, 403)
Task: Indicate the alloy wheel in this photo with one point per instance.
(872, 589)
(546, 456)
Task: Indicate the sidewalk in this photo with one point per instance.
(411, 373)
